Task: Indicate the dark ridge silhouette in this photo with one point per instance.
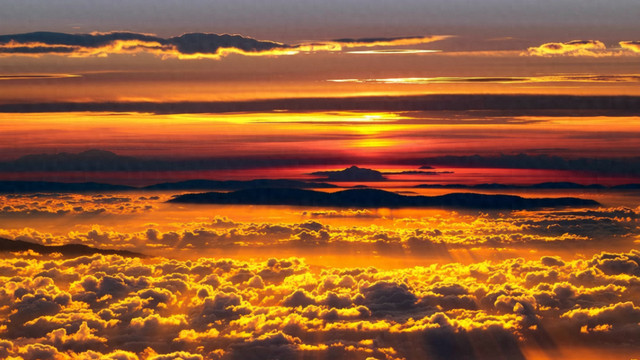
(15, 187)
(545, 185)
(33, 187)
(626, 187)
(629, 166)
(101, 160)
(7, 245)
(237, 185)
(352, 173)
(517, 104)
(372, 198)
(90, 160)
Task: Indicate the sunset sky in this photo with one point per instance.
(287, 179)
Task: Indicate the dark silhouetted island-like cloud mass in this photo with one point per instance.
(352, 173)
(371, 198)
(7, 245)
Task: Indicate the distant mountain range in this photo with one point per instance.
(7, 245)
(45, 186)
(24, 187)
(372, 198)
(101, 160)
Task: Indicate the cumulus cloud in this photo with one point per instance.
(186, 46)
(84, 205)
(370, 232)
(211, 308)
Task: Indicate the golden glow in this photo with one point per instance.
(393, 51)
(631, 45)
(585, 78)
(37, 76)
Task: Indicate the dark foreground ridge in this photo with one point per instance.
(371, 198)
(7, 245)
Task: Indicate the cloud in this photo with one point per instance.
(571, 48)
(187, 46)
(587, 48)
(392, 51)
(590, 78)
(36, 76)
(516, 104)
(369, 232)
(631, 45)
(397, 41)
(81, 205)
(174, 309)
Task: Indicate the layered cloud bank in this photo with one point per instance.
(146, 223)
(187, 46)
(122, 308)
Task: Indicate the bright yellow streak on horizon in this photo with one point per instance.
(393, 51)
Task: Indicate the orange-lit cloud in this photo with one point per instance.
(498, 80)
(37, 76)
(392, 51)
(187, 46)
(631, 45)
(112, 307)
(587, 48)
(380, 42)
(142, 227)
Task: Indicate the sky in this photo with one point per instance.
(220, 180)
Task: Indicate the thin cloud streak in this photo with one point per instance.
(631, 78)
(583, 48)
(37, 76)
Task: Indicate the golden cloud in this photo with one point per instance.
(126, 308)
(631, 45)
